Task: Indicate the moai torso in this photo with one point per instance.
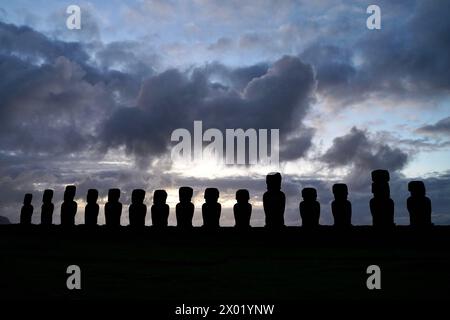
(185, 214)
(309, 208)
(419, 205)
(274, 201)
(27, 210)
(211, 209)
(68, 207)
(160, 210)
(47, 208)
(242, 209)
(92, 208)
(137, 209)
(113, 208)
(341, 208)
(342, 213)
(184, 210)
(381, 205)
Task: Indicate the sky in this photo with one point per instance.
(96, 107)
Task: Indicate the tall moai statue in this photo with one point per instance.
(47, 208)
(69, 207)
(242, 209)
(92, 208)
(160, 210)
(137, 209)
(185, 208)
(211, 209)
(113, 209)
(419, 205)
(341, 208)
(381, 205)
(27, 210)
(309, 208)
(274, 201)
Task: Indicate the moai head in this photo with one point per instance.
(92, 196)
(138, 196)
(69, 193)
(381, 189)
(159, 197)
(417, 188)
(185, 194)
(273, 181)
(47, 196)
(242, 196)
(340, 191)
(211, 195)
(113, 195)
(27, 199)
(380, 175)
(309, 194)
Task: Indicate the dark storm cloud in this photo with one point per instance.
(408, 57)
(237, 78)
(32, 45)
(362, 154)
(419, 52)
(51, 87)
(52, 99)
(442, 127)
(356, 148)
(76, 103)
(296, 147)
(333, 67)
(279, 99)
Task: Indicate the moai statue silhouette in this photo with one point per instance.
(381, 205)
(211, 209)
(160, 210)
(92, 208)
(242, 209)
(47, 208)
(113, 209)
(185, 208)
(27, 210)
(274, 201)
(341, 208)
(69, 207)
(309, 208)
(137, 209)
(419, 205)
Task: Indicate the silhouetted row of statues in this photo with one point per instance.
(274, 201)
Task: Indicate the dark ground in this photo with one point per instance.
(197, 266)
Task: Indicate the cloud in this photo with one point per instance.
(34, 46)
(442, 127)
(362, 154)
(53, 99)
(113, 98)
(356, 148)
(406, 59)
(277, 97)
(55, 88)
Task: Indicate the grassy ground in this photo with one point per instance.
(292, 265)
